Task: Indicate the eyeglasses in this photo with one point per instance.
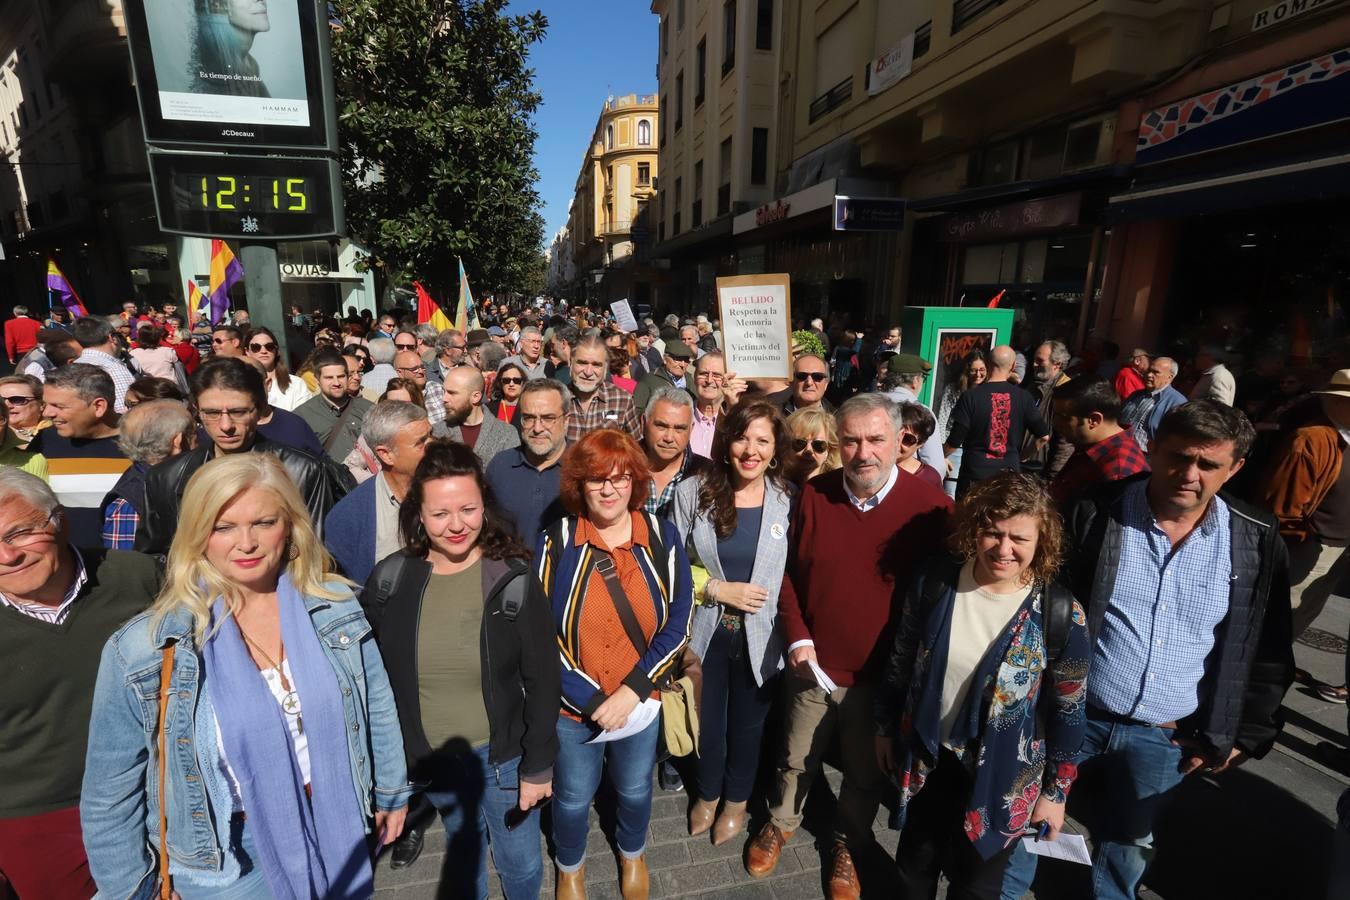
(710, 376)
(817, 377)
(908, 440)
(262, 348)
(511, 380)
(18, 400)
(33, 534)
(456, 347)
(549, 420)
(617, 482)
(234, 415)
(406, 346)
(817, 446)
(415, 370)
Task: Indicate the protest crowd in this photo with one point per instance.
(272, 603)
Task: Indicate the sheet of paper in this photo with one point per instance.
(623, 313)
(826, 683)
(638, 720)
(1068, 847)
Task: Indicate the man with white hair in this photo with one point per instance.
(21, 334)
(151, 432)
(1144, 410)
(595, 402)
(530, 357)
(382, 352)
(689, 336)
(58, 607)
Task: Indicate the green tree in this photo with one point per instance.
(435, 102)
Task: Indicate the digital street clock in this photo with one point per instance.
(247, 197)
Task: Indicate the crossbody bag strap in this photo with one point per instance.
(165, 682)
(337, 428)
(604, 564)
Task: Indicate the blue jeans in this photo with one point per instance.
(732, 717)
(473, 797)
(1141, 769)
(576, 776)
(251, 884)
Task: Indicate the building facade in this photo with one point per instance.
(606, 227)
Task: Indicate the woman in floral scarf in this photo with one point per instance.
(981, 753)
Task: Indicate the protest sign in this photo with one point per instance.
(623, 314)
(756, 313)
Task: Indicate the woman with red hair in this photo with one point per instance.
(619, 584)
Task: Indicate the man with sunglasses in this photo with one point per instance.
(227, 340)
(58, 606)
(810, 377)
(901, 380)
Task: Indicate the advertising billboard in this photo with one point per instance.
(241, 73)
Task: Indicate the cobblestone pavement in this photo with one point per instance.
(1260, 832)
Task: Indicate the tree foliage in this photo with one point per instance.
(435, 103)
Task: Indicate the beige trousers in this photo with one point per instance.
(1315, 572)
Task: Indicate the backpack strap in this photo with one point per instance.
(513, 595)
(1056, 617)
(390, 573)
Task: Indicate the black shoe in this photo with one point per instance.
(668, 777)
(406, 849)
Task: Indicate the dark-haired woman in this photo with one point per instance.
(916, 428)
(972, 371)
(734, 519)
(154, 359)
(506, 390)
(286, 391)
(982, 707)
(465, 628)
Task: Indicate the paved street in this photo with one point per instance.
(1260, 832)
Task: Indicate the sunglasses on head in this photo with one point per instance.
(817, 377)
(262, 348)
(817, 446)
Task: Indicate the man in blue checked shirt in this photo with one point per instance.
(150, 433)
(1187, 597)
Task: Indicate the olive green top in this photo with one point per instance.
(449, 659)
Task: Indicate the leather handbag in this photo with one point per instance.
(681, 689)
(165, 679)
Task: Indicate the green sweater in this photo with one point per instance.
(49, 682)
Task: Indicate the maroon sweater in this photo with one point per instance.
(847, 569)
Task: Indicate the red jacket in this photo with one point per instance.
(20, 336)
(1128, 381)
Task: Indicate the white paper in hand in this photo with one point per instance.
(638, 720)
(1068, 847)
(826, 683)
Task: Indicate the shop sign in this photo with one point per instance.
(756, 315)
(305, 270)
(869, 214)
(772, 212)
(1280, 12)
(893, 65)
(1013, 220)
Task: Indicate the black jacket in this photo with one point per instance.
(522, 678)
(1252, 663)
(321, 483)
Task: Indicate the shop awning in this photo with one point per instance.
(1290, 181)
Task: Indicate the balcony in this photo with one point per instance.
(631, 100)
(832, 99)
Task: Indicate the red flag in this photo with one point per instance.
(993, 304)
(428, 310)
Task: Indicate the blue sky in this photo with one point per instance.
(593, 48)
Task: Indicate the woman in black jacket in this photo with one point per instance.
(480, 737)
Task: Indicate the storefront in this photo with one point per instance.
(315, 275)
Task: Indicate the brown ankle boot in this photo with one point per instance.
(701, 816)
(730, 822)
(633, 881)
(762, 857)
(570, 885)
(843, 877)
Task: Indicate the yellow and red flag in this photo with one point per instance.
(428, 310)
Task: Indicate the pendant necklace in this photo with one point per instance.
(290, 701)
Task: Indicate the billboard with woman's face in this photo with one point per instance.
(230, 71)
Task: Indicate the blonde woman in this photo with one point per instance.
(814, 444)
(283, 739)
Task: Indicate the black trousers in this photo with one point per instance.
(934, 842)
(731, 722)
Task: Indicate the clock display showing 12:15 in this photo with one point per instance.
(251, 193)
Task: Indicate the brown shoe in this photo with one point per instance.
(570, 885)
(843, 877)
(730, 822)
(633, 881)
(701, 816)
(762, 857)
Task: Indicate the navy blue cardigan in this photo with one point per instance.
(349, 532)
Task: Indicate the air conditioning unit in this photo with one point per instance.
(1088, 144)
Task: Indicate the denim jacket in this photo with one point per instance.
(119, 806)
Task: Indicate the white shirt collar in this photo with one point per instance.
(875, 500)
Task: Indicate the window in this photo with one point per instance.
(833, 83)
(724, 189)
(966, 11)
(701, 56)
(665, 36)
(644, 176)
(644, 133)
(662, 114)
(679, 202)
(679, 101)
(728, 36)
(923, 39)
(764, 25)
(759, 156)
(680, 18)
(609, 136)
(696, 213)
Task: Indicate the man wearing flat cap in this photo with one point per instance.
(902, 378)
(674, 371)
